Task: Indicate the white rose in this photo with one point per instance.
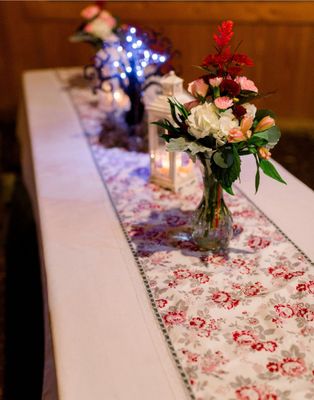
(250, 110)
(203, 120)
(227, 122)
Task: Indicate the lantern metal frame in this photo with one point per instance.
(172, 86)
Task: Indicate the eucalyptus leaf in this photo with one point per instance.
(219, 160)
(272, 135)
(178, 144)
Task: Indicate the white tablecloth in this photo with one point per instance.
(105, 341)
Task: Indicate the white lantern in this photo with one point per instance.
(171, 170)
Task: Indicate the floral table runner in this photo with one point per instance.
(239, 325)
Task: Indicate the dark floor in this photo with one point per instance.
(21, 340)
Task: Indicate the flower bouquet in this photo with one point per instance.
(98, 25)
(217, 128)
(125, 69)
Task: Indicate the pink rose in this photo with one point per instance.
(244, 337)
(248, 393)
(292, 367)
(108, 18)
(174, 317)
(214, 82)
(90, 12)
(198, 88)
(264, 124)
(182, 273)
(246, 84)
(256, 242)
(221, 297)
(278, 271)
(223, 102)
(197, 322)
(310, 287)
(161, 303)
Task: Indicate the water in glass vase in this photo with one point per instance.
(212, 220)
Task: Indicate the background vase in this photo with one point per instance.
(212, 220)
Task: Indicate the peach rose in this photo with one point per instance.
(223, 102)
(90, 12)
(198, 88)
(246, 84)
(264, 124)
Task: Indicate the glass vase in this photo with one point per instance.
(212, 220)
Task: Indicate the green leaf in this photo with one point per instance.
(272, 135)
(260, 114)
(270, 170)
(173, 112)
(228, 189)
(257, 176)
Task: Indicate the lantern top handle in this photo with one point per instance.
(171, 84)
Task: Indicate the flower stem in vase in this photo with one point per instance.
(212, 224)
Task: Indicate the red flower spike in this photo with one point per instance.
(224, 34)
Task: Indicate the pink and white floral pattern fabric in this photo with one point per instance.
(241, 324)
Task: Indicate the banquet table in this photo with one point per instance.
(103, 340)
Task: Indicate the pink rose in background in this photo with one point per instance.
(264, 124)
(198, 88)
(214, 82)
(246, 84)
(90, 12)
(292, 367)
(223, 102)
(248, 393)
(108, 19)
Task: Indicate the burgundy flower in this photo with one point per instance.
(174, 317)
(258, 346)
(244, 337)
(270, 346)
(197, 322)
(278, 271)
(161, 303)
(272, 367)
(256, 242)
(182, 273)
(229, 87)
(201, 277)
(221, 297)
(239, 111)
(284, 310)
(271, 396)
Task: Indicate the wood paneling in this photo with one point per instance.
(277, 35)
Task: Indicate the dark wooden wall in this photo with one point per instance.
(279, 36)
